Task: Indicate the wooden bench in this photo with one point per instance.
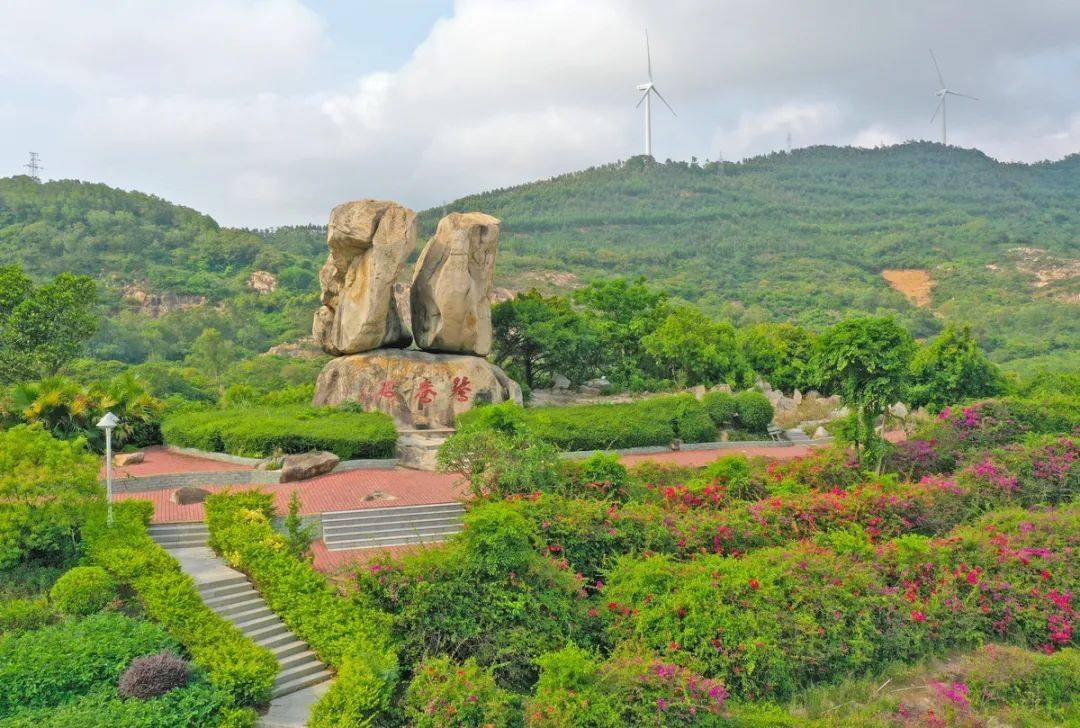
(775, 433)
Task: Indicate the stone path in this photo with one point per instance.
(159, 460)
(302, 678)
(797, 437)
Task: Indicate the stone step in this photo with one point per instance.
(181, 542)
(250, 612)
(220, 592)
(288, 649)
(449, 526)
(300, 683)
(252, 623)
(307, 667)
(333, 518)
(223, 583)
(368, 527)
(287, 662)
(273, 636)
(242, 603)
(223, 601)
(177, 526)
(434, 537)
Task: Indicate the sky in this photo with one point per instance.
(270, 112)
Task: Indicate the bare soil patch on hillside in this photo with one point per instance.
(915, 283)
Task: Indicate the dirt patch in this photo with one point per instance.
(915, 283)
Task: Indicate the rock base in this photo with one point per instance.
(419, 389)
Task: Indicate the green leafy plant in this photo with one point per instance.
(83, 590)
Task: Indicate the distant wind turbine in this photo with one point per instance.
(942, 93)
(650, 89)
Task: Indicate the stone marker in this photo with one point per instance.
(308, 465)
(417, 388)
(450, 295)
(369, 241)
(128, 458)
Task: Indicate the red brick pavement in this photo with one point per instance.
(335, 562)
(334, 492)
(160, 460)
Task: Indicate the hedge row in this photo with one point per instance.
(779, 619)
(261, 431)
(351, 638)
(234, 663)
(653, 421)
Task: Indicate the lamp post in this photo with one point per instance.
(107, 423)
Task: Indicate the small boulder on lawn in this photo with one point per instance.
(189, 494)
(308, 465)
(122, 459)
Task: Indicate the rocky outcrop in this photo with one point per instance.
(128, 458)
(369, 241)
(307, 465)
(451, 287)
(418, 389)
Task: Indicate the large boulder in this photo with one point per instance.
(307, 465)
(451, 286)
(420, 390)
(369, 241)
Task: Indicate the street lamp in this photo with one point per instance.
(107, 423)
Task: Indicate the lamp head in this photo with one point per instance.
(109, 421)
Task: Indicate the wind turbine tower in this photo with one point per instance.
(943, 93)
(650, 88)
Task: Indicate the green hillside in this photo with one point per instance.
(802, 237)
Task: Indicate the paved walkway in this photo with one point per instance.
(348, 490)
(159, 460)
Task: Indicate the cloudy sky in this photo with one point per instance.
(267, 112)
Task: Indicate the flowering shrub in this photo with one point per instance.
(632, 688)
(1045, 471)
(823, 469)
(915, 459)
(487, 595)
(444, 694)
(780, 618)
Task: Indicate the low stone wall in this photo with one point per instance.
(221, 457)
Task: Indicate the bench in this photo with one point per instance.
(775, 433)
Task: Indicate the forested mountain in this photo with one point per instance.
(802, 236)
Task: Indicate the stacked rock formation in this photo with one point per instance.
(361, 322)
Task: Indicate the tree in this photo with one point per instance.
(693, 349)
(537, 336)
(780, 354)
(298, 535)
(866, 360)
(43, 328)
(211, 353)
(46, 487)
(952, 368)
(626, 312)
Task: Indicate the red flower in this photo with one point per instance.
(918, 616)
(755, 584)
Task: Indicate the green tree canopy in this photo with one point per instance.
(952, 368)
(693, 349)
(780, 353)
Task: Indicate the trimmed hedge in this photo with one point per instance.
(199, 704)
(653, 421)
(754, 409)
(83, 590)
(260, 431)
(721, 408)
(234, 663)
(349, 636)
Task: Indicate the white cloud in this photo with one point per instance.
(223, 104)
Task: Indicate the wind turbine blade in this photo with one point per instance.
(956, 93)
(648, 54)
(937, 108)
(641, 99)
(937, 68)
(665, 101)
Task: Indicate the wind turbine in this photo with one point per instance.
(650, 89)
(942, 94)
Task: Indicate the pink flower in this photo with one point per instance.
(918, 616)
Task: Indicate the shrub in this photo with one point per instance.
(652, 421)
(351, 637)
(486, 595)
(261, 431)
(722, 408)
(778, 619)
(45, 485)
(198, 704)
(153, 675)
(83, 590)
(600, 475)
(754, 409)
(23, 615)
(499, 464)
(58, 663)
(444, 694)
(234, 664)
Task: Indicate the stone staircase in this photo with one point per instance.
(797, 437)
(301, 677)
(394, 526)
(417, 449)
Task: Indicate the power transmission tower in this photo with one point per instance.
(34, 166)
